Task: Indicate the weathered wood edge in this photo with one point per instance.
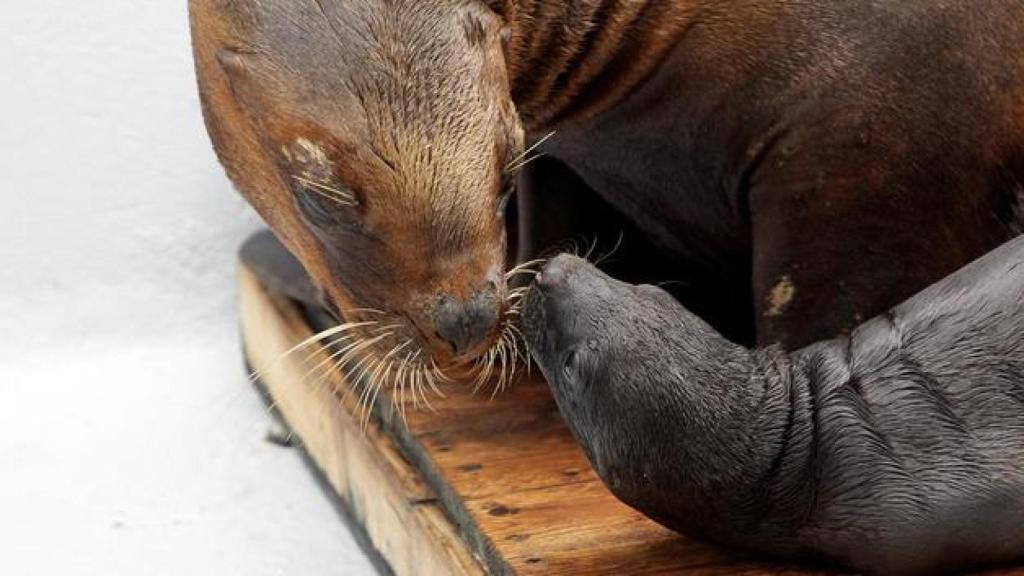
(358, 531)
(453, 505)
(421, 538)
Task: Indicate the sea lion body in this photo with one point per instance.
(798, 166)
(897, 449)
(805, 165)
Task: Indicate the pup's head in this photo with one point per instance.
(600, 344)
(646, 387)
(373, 137)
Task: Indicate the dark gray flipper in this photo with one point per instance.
(277, 269)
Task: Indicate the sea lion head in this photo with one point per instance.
(599, 343)
(374, 137)
(645, 386)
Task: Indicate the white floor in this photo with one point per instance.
(130, 442)
(151, 459)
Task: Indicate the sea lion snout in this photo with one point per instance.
(466, 324)
(549, 301)
(568, 309)
(557, 271)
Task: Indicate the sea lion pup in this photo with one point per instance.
(898, 449)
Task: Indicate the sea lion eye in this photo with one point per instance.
(569, 365)
(319, 201)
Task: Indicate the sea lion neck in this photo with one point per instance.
(721, 456)
(571, 60)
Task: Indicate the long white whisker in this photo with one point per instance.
(361, 364)
(308, 342)
(325, 190)
(533, 147)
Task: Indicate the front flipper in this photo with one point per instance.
(277, 269)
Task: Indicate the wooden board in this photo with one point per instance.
(481, 486)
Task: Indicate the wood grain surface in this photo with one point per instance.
(481, 485)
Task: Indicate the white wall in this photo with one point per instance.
(129, 441)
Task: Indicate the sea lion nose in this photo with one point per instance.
(464, 325)
(555, 272)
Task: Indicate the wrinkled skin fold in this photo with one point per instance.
(897, 449)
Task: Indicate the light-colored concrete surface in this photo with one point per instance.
(130, 442)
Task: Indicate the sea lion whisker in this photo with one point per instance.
(502, 369)
(396, 388)
(590, 250)
(414, 368)
(509, 361)
(365, 406)
(370, 310)
(423, 393)
(417, 387)
(331, 358)
(256, 374)
(485, 374)
(327, 348)
(362, 364)
(368, 378)
(350, 350)
(357, 365)
(527, 358)
(325, 190)
(376, 375)
(361, 378)
(525, 163)
(525, 266)
(515, 354)
(434, 372)
(615, 248)
(479, 367)
(429, 375)
(515, 296)
(400, 380)
(338, 201)
(527, 151)
(375, 384)
(440, 373)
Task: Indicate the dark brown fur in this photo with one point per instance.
(798, 165)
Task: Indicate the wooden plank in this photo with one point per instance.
(482, 485)
(399, 512)
(499, 479)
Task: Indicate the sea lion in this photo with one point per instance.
(375, 163)
(796, 166)
(897, 449)
(800, 165)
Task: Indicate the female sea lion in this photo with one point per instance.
(898, 449)
(373, 138)
(798, 165)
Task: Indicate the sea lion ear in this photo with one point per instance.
(241, 71)
(236, 65)
(232, 62)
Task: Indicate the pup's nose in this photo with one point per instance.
(466, 324)
(556, 271)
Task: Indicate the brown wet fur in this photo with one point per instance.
(796, 165)
(422, 150)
